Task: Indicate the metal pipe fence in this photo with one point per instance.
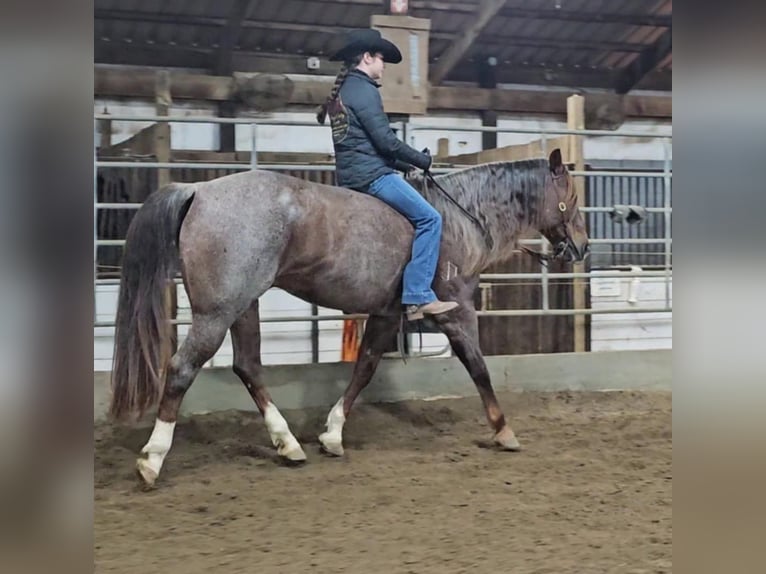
(544, 276)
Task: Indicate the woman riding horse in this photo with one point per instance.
(368, 154)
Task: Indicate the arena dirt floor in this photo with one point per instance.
(418, 491)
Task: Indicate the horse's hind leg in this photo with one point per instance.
(246, 340)
(377, 334)
(204, 339)
(461, 327)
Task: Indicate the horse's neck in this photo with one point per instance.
(496, 217)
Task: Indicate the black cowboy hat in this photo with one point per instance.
(367, 40)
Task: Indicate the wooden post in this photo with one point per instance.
(227, 140)
(162, 129)
(576, 121)
(442, 147)
(488, 79)
(105, 131)
(162, 147)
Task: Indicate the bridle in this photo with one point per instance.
(544, 258)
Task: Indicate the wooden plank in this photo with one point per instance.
(515, 152)
(448, 60)
(140, 84)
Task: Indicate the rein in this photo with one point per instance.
(484, 232)
(543, 258)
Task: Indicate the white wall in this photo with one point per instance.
(316, 139)
(630, 331)
(281, 343)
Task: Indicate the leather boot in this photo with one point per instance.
(415, 312)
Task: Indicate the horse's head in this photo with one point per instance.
(561, 221)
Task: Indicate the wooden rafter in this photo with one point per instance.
(448, 60)
(646, 62)
(214, 22)
(230, 36)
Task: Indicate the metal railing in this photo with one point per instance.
(544, 276)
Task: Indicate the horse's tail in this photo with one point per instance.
(142, 341)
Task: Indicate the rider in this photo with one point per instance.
(367, 155)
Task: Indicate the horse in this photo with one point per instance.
(233, 237)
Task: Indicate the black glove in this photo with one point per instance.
(403, 166)
(426, 151)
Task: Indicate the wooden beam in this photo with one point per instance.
(204, 59)
(589, 16)
(140, 84)
(570, 77)
(645, 63)
(224, 66)
(514, 41)
(229, 37)
(448, 60)
(243, 61)
(559, 43)
(635, 19)
(215, 22)
(122, 53)
(282, 64)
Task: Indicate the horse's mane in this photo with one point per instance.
(504, 196)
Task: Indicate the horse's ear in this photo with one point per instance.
(555, 161)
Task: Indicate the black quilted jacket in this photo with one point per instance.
(365, 145)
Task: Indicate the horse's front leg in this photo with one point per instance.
(377, 334)
(461, 326)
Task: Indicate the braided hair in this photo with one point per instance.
(347, 67)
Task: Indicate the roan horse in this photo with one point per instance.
(234, 237)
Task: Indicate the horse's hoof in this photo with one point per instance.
(147, 474)
(331, 445)
(293, 456)
(507, 440)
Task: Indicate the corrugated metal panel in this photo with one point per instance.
(607, 191)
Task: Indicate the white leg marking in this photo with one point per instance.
(287, 445)
(156, 450)
(332, 440)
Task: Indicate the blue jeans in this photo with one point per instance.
(419, 272)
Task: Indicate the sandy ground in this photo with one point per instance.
(419, 491)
